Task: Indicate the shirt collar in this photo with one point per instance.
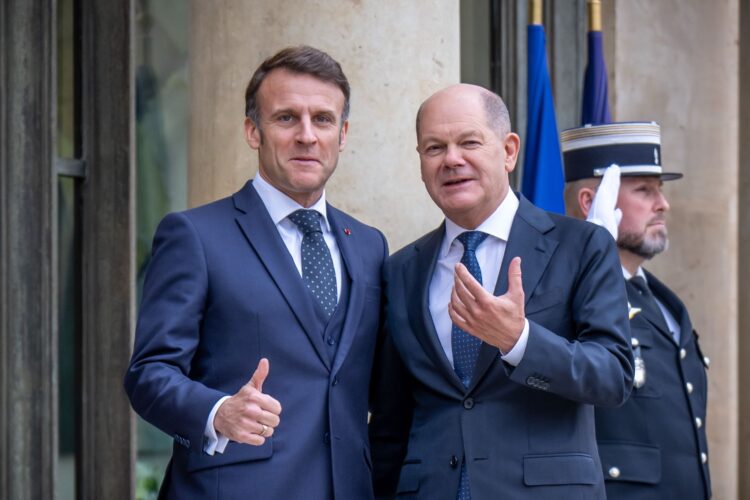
(498, 224)
(279, 205)
(638, 272)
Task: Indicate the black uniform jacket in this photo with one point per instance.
(654, 447)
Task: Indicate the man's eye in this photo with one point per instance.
(471, 144)
(284, 118)
(323, 119)
(434, 148)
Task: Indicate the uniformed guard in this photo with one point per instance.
(654, 446)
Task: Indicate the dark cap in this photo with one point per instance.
(634, 146)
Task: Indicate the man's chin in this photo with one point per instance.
(647, 248)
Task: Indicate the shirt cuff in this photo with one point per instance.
(515, 355)
(214, 442)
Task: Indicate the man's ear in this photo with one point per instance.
(584, 198)
(342, 135)
(252, 134)
(512, 148)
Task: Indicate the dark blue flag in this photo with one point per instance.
(595, 101)
(542, 171)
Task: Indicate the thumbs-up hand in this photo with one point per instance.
(249, 416)
(498, 321)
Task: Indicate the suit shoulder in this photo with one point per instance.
(558, 226)
(201, 213)
(211, 209)
(372, 235)
(580, 232)
(405, 252)
(350, 222)
(201, 222)
(565, 223)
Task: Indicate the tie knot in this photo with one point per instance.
(308, 221)
(640, 284)
(471, 240)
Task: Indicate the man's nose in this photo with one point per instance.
(662, 205)
(453, 156)
(306, 132)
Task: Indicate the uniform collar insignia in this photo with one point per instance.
(632, 311)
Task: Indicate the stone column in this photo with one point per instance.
(394, 58)
(676, 62)
(744, 253)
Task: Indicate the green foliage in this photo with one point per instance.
(147, 481)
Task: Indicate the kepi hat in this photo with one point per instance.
(634, 146)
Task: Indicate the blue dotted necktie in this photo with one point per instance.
(317, 264)
(466, 346)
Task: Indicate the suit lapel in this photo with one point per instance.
(675, 306)
(264, 238)
(526, 240)
(418, 272)
(651, 314)
(347, 243)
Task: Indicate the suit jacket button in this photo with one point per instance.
(704, 458)
(335, 381)
(689, 388)
(698, 422)
(327, 438)
(469, 403)
(683, 353)
(614, 472)
(330, 341)
(453, 462)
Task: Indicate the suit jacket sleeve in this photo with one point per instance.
(594, 364)
(168, 333)
(391, 408)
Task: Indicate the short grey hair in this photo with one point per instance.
(498, 117)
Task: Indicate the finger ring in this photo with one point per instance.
(263, 430)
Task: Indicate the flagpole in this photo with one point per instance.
(535, 12)
(595, 15)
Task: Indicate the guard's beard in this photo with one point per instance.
(643, 244)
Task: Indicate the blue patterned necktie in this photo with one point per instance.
(464, 345)
(317, 265)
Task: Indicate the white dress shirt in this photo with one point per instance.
(490, 255)
(672, 324)
(279, 207)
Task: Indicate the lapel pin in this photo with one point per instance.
(347, 231)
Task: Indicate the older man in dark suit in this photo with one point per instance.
(505, 325)
(275, 283)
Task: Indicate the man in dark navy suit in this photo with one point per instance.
(654, 446)
(260, 311)
(505, 325)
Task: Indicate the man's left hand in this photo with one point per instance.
(497, 321)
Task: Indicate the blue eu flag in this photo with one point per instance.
(595, 101)
(543, 170)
